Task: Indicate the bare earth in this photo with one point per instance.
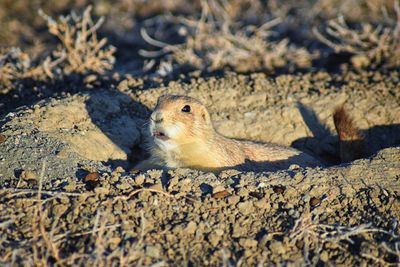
(67, 152)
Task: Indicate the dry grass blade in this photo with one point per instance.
(135, 192)
(371, 46)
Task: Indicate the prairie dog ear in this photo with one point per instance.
(205, 115)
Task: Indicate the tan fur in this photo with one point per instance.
(352, 144)
(197, 145)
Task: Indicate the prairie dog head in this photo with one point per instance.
(179, 120)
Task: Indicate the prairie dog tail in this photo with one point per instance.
(352, 145)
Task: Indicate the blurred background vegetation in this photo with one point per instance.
(43, 40)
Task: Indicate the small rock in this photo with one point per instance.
(245, 207)
(153, 251)
(123, 186)
(298, 176)
(191, 228)
(119, 169)
(279, 189)
(91, 177)
(243, 192)
(306, 198)
(248, 243)
(101, 191)
(360, 61)
(230, 181)
(139, 180)
(70, 187)
(28, 175)
(206, 188)
(219, 232)
(218, 188)
(134, 171)
(90, 78)
(156, 187)
(221, 194)
(114, 242)
(262, 204)
(173, 182)
(214, 238)
(232, 200)
(294, 167)
(3, 138)
(277, 247)
(324, 256)
(261, 185)
(314, 201)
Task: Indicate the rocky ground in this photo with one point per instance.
(73, 114)
(69, 196)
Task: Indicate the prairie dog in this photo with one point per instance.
(182, 135)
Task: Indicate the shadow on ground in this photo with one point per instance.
(325, 146)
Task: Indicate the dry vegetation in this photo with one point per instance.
(223, 38)
(79, 51)
(355, 11)
(242, 35)
(372, 46)
(13, 64)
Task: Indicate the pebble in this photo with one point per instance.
(232, 200)
(70, 187)
(139, 180)
(306, 198)
(28, 175)
(156, 187)
(123, 186)
(294, 167)
(101, 191)
(262, 204)
(298, 176)
(324, 256)
(279, 189)
(261, 185)
(218, 188)
(221, 194)
(219, 232)
(248, 243)
(119, 169)
(245, 207)
(277, 247)
(191, 228)
(153, 251)
(173, 182)
(91, 177)
(214, 238)
(3, 138)
(314, 201)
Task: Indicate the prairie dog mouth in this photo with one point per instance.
(160, 135)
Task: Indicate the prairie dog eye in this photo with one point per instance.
(186, 109)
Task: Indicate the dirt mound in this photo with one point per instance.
(344, 215)
(61, 204)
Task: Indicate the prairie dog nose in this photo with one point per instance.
(156, 117)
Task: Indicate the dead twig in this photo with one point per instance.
(141, 190)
